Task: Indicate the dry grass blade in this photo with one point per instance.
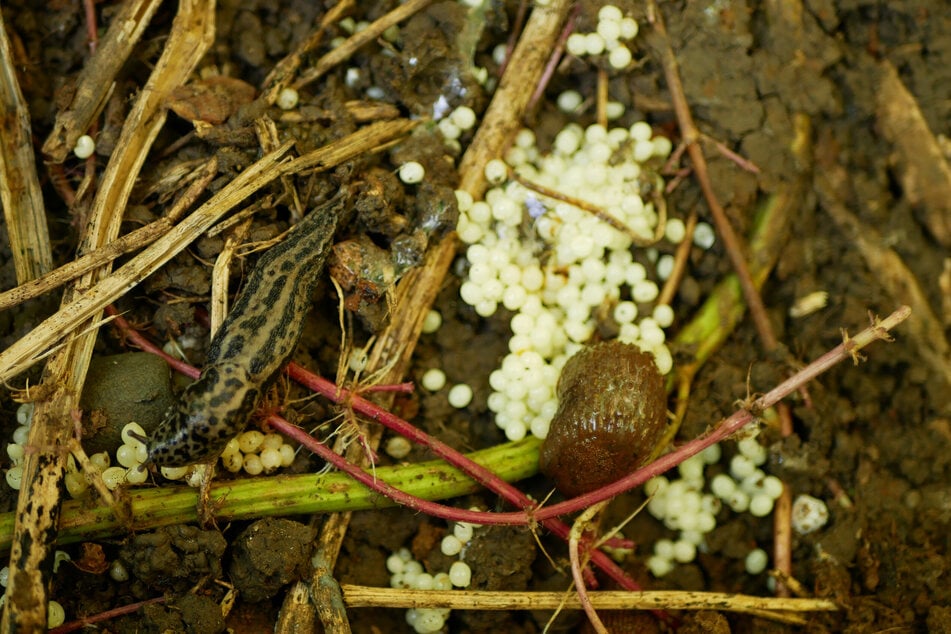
(364, 140)
(20, 194)
(96, 79)
(39, 502)
(922, 167)
(891, 272)
(363, 596)
(124, 244)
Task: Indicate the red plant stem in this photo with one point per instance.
(742, 162)
(92, 30)
(371, 410)
(135, 337)
(727, 427)
(847, 349)
(556, 53)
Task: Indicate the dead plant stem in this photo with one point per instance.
(363, 596)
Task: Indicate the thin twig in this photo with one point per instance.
(574, 554)
(680, 262)
(691, 135)
(591, 208)
(79, 624)
(601, 103)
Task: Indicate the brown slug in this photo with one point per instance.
(612, 412)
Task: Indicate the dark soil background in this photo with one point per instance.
(874, 440)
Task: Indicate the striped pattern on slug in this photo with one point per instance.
(255, 341)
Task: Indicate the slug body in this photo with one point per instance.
(612, 412)
(247, 353)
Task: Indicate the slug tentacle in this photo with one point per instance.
(255, 341)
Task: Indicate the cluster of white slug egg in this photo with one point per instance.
(252, 451)
(684, 505)
(556, 266)
(130, 455)
(406, 572)
(608, 38)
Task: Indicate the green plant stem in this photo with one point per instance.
(283, 495)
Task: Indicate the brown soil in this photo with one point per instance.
(873, 440)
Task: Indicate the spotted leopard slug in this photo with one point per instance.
(252, 345)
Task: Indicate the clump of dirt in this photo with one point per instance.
(268, 555)
(120, 389)
(501, 559)
(172, 557)
(191, 613)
